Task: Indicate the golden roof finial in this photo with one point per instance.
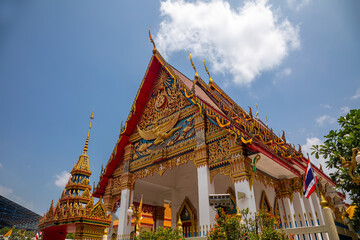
(196, 74)
(87, 138)
(257, 111)
(267, 121)
(210, 79)
(152, 41)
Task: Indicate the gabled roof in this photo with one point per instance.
(221, 109)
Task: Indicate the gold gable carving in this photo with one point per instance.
(161, 132)
(98, 211)
(164, 101)
(86, 193)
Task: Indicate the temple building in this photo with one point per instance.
(185, 139)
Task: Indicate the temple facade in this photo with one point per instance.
(185, 139)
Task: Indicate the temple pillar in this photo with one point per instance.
(159, 215)
(286, 193)
(318, 213)
(206, 213)
(126, 185)
(205, 187)
(310, 213)
(290, 212)
(124, 220)
(300, 211)
(242, 177)
(245, 196)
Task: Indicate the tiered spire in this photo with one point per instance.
(78, 187)
(87, 138)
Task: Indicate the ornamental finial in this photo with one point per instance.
(267, 121)
(210, 79)
(257, 111)
(87, 138)
(152, 41)
(196, 74)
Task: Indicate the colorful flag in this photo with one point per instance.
(38, 235)
(310, 181)
(8, 234)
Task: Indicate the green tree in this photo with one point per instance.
(4, 230)
(340, 143)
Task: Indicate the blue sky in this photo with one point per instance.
(59, 60)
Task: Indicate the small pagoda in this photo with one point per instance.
(75, 211)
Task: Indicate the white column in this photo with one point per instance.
(282, 213)
(124, 225)
(110, 232)
(299, 207)
(245, 197)
(316, 203)
(310, 209)
(289, 209)
(206, 213)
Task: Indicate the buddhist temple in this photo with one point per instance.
(75, 212)
(184, 139)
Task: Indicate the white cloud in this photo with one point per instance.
(345, 110)
(282, 74)
(8, 193)
(306, 148)
(243, 41)
(62, 179)
(357, 94)
(297, 4)
(327, 106)
(322, 120)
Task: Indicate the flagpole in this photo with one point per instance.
(316, 182)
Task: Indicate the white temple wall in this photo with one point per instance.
(186, 185)
(222, 183)
(258, 190)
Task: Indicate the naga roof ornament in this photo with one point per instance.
(210, 79)
(192, 63)
(152, 41)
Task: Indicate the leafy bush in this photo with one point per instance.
(261, 225)
(161, 234)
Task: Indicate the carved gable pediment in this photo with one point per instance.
(167, 119)
(164, 101)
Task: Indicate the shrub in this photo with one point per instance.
(161, 234)
(261, 225)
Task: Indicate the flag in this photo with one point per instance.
(8, 234)
(310, 180)
(38, 235)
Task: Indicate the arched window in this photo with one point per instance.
(264, 203)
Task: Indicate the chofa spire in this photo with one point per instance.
(87, 138)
